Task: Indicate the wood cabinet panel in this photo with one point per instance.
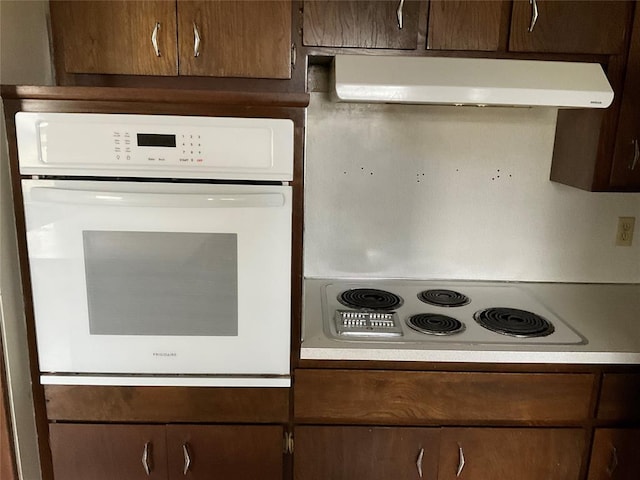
(511, 453)
(625, 171)
(239, 452)
(107, 452)
(237, 39)
(404, 397)
(115, 37)
(615, 454)
(619, 397)
(167, 404)
(466, 25)
(365, 453)
(362, 24)
(598, 27)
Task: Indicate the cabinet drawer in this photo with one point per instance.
(402, 397)
(620, 397)
(166, 404)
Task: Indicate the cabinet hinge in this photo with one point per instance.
(294, 55)
(288, 443)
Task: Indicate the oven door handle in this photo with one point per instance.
(149, 199)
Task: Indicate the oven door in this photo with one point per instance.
(142, 278)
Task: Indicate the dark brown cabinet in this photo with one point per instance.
(107, 452)
(409, 422)
(625, 171)
(467, 25)
(615, 454)
(116, 37)
(339, 396)
(361, 24)
(511, 453)
(552, 26)
(235, 39)
(240, 452)
(600, 151)
(377, 453)
(619, 397)
(198, 38)
(365, 453)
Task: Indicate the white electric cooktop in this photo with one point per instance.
(417, 312)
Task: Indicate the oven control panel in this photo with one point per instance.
(184, 149)
(155, 146)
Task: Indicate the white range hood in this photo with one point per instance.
(470, 81)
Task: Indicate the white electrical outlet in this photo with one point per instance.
(624, 235)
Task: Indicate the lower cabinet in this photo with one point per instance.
(107, 452)
(376, 453)
(511, 453)
(365, 453)
(615, 454)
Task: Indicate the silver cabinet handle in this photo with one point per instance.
(187, 458)
(399, 14)
(613, 462)
(636, 154)
(196, 40)
(534, 14)
(146, 458)
(154, 39)
(419, 462)
(460, 461)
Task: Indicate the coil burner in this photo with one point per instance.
(370, 299)
(435, 324)
(514, 322)
(443, 298)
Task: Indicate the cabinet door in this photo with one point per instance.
(615, 454)
(466, 25)
(108, 452)
(364, 453)
(626, 159)
(116, 36)
(363, 24)
(221, 38)
(569, 26)
(511, 453)
(238, 452)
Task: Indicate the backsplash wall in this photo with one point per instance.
(433, 192)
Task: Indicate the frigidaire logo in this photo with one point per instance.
(165, 354)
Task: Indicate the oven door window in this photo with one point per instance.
(159, 283)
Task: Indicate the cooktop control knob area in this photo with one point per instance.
(374, 324)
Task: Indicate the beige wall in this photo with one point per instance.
(24, 59)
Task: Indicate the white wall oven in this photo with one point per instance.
(159, 247)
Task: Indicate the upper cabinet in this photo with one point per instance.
(202, 38)
(552, 26)
(625, 171)
(600, 151)
(362, 24)
(118, 37)
(235, 39)
(467, 25)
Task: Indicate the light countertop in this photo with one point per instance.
(606, 315)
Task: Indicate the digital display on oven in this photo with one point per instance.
(156, 140)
